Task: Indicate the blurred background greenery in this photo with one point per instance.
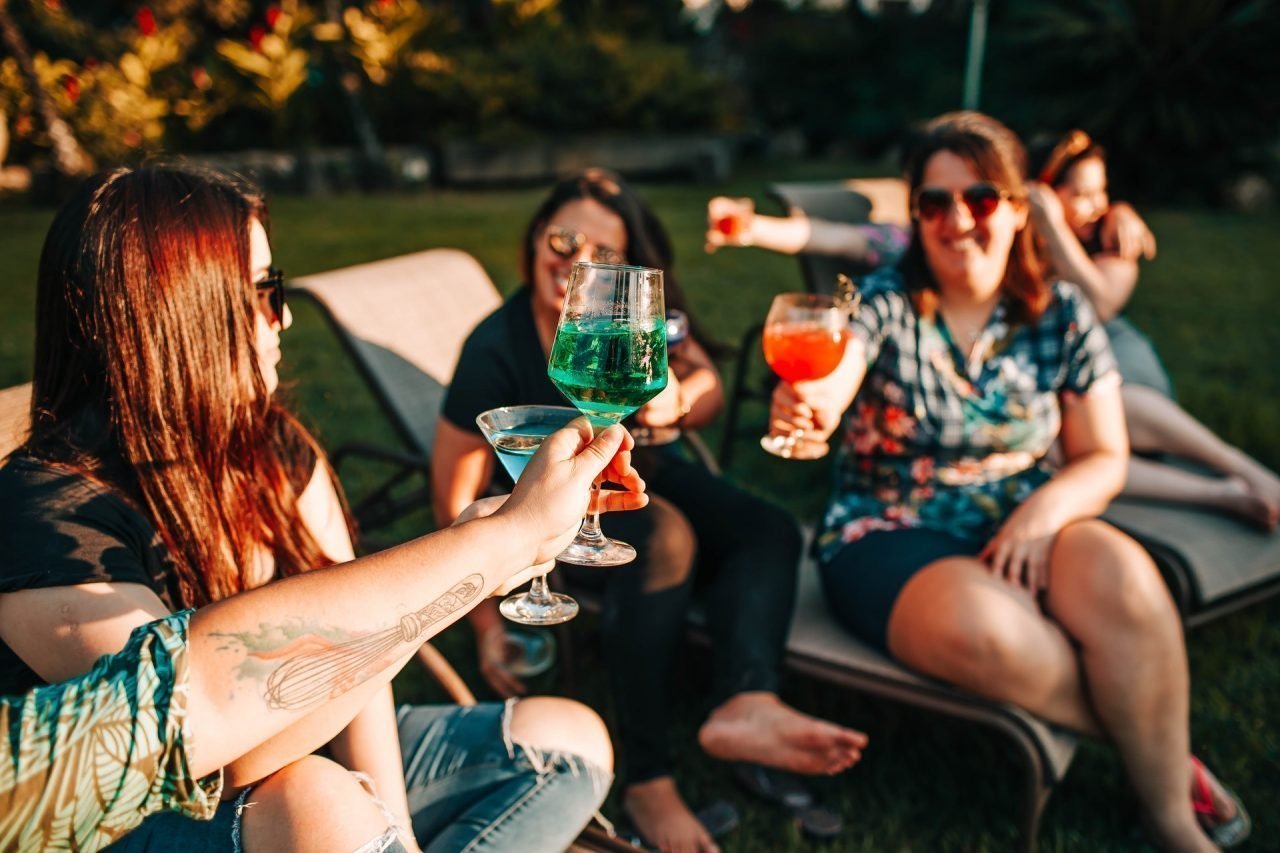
(1181, 90)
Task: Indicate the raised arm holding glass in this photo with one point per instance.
(947, 541)
(746, 549)
(162, 473)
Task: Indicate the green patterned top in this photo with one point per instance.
(84, 761)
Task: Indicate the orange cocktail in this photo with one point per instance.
(804, 338)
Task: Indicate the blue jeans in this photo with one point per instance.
(470, 786)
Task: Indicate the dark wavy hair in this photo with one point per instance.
(648, 244)
(997, 156)
(146, 374)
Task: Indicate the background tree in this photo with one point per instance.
(68, 157)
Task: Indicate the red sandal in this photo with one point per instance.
(1223, 832)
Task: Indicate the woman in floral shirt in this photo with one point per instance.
(947, 540)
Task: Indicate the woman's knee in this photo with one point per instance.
(552, 724)
(963, 633)
(669, 549)
(312, 804)
(1098, 571)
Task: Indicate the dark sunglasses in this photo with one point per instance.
(566, 243)
(930, 203)
(271, 288)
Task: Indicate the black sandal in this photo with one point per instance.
(789, 792)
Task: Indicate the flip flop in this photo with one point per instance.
(1223, 833)
(718, 818)
(789, 792)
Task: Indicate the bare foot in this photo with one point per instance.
(663, 819)
(760, 728)
(1240, 497)
(1265, 487)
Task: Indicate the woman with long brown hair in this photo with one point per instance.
(1097, 242)
(948, 542)
(162, 473)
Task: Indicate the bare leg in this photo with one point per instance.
(1127, 679)
(956, 622)
(312, 806)
(760, 728)
(1157, 481)
(553, 724)
(1158, 424)
(1108, 595)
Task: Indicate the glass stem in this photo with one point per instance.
(538, 592)
(590, 530)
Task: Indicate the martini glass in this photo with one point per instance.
(609, 358)
(516, 433)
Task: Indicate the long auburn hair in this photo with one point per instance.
(146, 374)
(648, 243)
(997, 156)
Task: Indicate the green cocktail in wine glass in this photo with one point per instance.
(609, 358)
(516, 433)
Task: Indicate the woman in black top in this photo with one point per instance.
(746, 550)
(162, 473)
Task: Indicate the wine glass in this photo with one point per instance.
(609, 358)
(677, 331)
(516, 433)
(804, 338)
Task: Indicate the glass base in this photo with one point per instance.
(527, 610)
(794, 446)
(586, 553)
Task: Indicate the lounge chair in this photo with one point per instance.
(1212, 564)
(403, 321)
(15, 417)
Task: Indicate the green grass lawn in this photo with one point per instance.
(926, 783)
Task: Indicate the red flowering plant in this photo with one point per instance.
(118, 83)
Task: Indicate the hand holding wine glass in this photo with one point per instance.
(609, 358)
(804, 339)
(516, 434)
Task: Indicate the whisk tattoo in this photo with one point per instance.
(314, 676)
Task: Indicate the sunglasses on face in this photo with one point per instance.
(931, 203)
(271, 291)
(566, 243)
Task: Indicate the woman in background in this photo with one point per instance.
(1097, 243)
(744, 548)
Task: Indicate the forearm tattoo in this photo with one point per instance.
(317, 668)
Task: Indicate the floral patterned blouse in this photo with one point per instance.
(952, 444)
(83, 761)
